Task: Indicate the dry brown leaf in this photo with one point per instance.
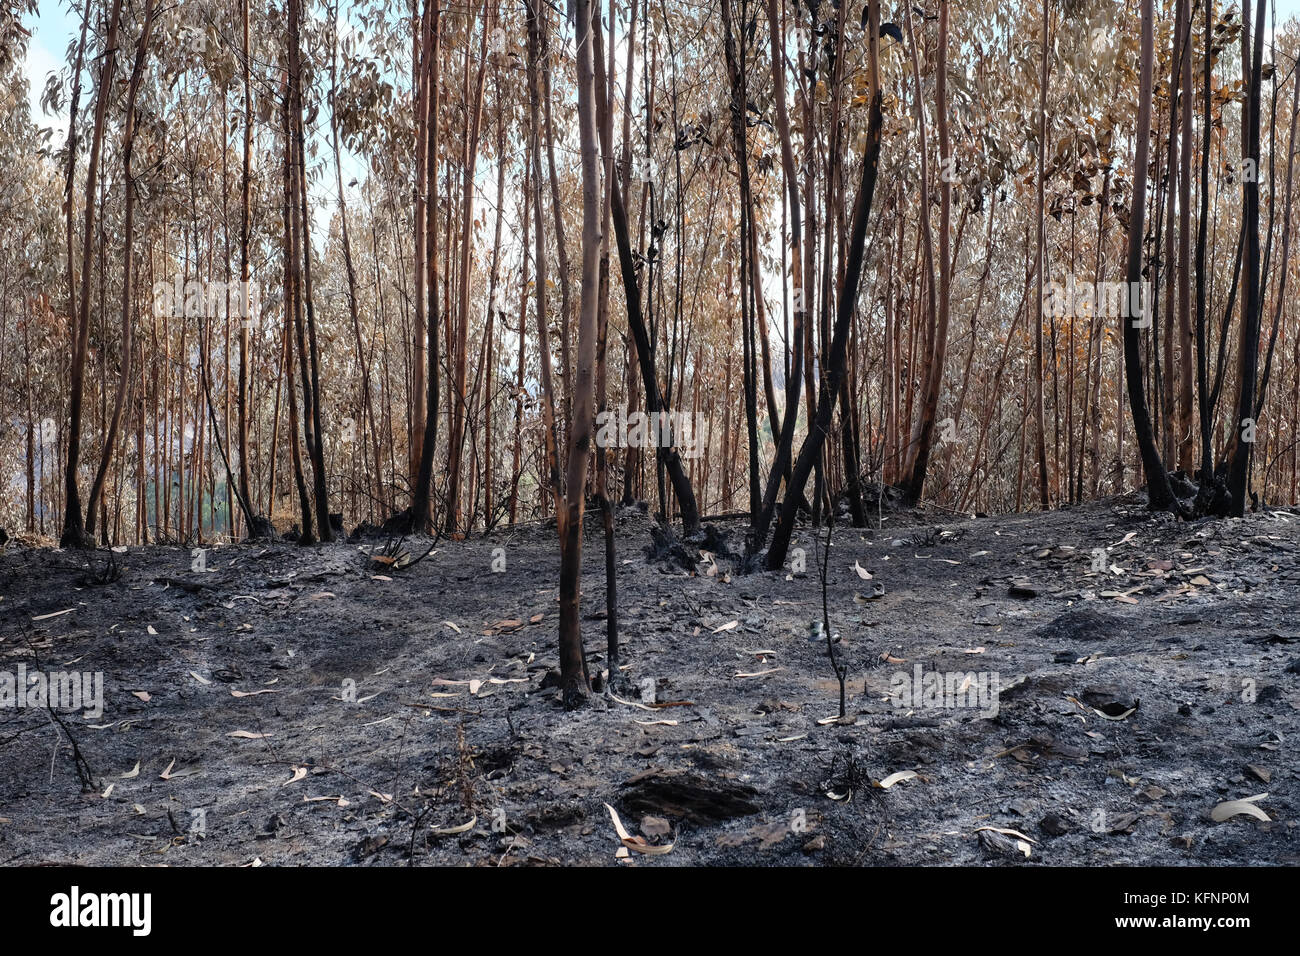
(1246, 805)
(298, 774)
(1005, 832)
(1123, 716)
(46, 617)
(639, 844)
(898, 777)
(452, 831)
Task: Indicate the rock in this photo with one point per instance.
(1259, 773)
(999, 844)
(688, 796)
(815, 844)
(1023, 590)
(652, 826)
(1022, 807)
(1120, 823)
(1111, 699)
(1054, 824)
(1082, 624)
(370, 846)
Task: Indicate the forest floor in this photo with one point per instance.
(306, 705)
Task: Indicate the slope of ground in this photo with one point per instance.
(296, 705)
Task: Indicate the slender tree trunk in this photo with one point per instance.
(846, 305)
(128, 228)
(1160, 494)
(74, 529)
(1248, 345)
(923, 437)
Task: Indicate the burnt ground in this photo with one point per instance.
(1195, 624)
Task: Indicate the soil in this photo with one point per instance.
(310, 705)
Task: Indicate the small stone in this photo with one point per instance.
(1022, 807)
(1259, 773)
(653, 826)
(1121, 823)
(816, 843)
(1054, 824)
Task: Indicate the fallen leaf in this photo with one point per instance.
(1246, 805)
(452, 831)
(898, 777)
(639, 844)
(46, 617)
(298, 774)
(729, 626)
(1123, 716)
(247, 735)
(770, 670)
